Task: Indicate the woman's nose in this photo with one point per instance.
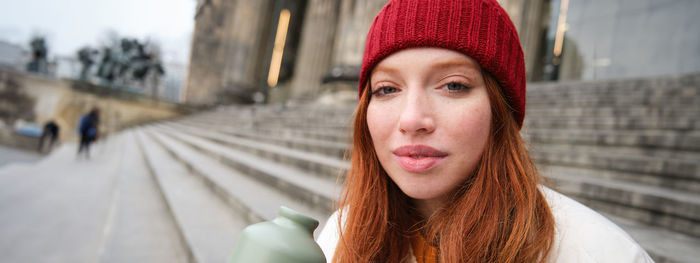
(416, 115)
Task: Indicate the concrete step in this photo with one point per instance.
(274, 123)
(312, 109)
(321, 119)
(612, 99)
(284, 132)
(679, 184)
(324, 135)
(662, 85)
(204, 220)
(326, 167)
(140, 227)
(621, 150)
(307, 110)
(320, 146)
(251, 199)
(613, 123)
(294, 114)
(613, 159)
(673, 90)
(666, 208)
(314, 190)
(610, 111)
(662, 245)
(643, 139)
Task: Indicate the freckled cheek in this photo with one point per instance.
(379, 122)
(471, 127)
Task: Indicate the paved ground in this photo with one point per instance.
(12, 155)
(64, 209)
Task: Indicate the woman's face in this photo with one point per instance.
(429, 117)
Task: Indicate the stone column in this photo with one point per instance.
(207, 57)
(530, 18)
(243, 41)
(533, 20)
(515, 9)
(316, 47)
(340, 79)
(357, 17)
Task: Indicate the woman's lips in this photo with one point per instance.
(418, 158)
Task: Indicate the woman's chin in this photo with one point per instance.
(421, 191)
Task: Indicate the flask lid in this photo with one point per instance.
(299, 218)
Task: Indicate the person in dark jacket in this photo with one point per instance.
(88, 131)
(50, 133)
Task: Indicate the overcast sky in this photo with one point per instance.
(71, 24)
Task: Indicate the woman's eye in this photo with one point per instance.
(384, 91)
(455, 87)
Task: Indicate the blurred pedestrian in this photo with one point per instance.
(50, 133)
(88, 131)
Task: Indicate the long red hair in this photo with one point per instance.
(497, 215)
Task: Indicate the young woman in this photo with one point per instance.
(439, 172)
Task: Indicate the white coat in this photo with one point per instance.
(581, 235)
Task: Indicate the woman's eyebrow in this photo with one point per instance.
(385, 69)
(454, 63)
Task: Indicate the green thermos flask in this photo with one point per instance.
(287, 238)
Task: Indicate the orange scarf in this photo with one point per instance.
(424, 252)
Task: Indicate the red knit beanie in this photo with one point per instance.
(480, 29)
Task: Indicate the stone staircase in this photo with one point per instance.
(628, 148)
(212, 174)
(252, 160)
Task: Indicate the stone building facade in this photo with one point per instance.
(234, 41)
(233, 44)
(230, 45)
